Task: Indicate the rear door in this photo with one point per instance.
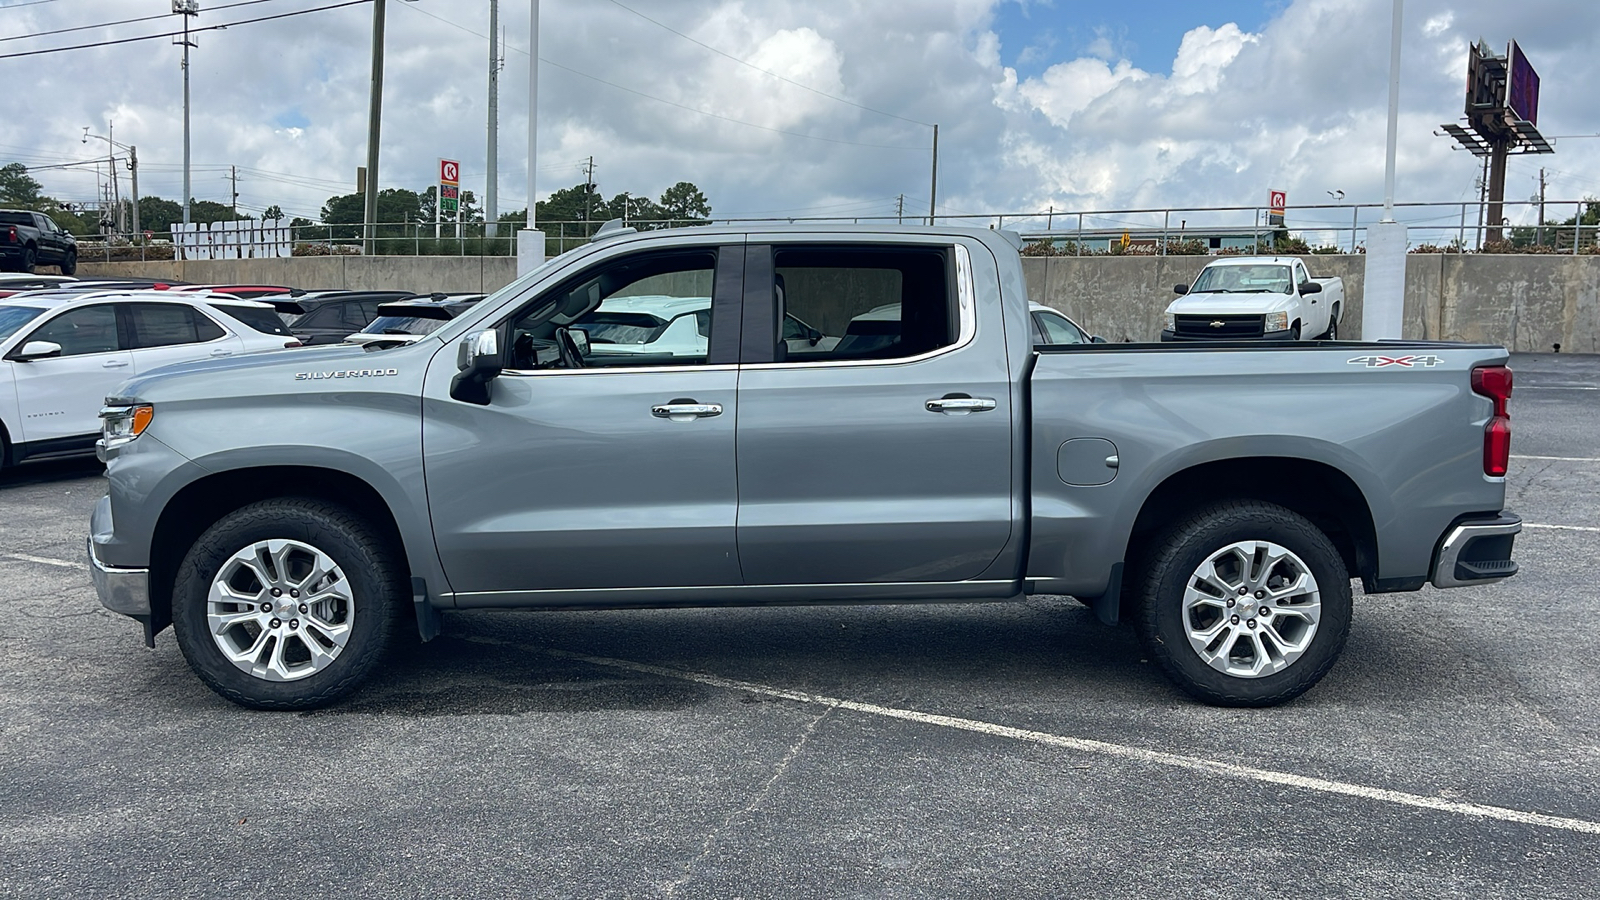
(60, 396)
(161, 334)
(881, 454)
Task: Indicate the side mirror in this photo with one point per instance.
(1180, 289)
(814, 336)
(1097, 339)
(33, 350)
(1310, 287)
(479, 361)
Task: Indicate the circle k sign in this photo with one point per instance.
(449, 171)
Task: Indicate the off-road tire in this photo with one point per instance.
(376, 573)
(69, 263)
(1173, 557)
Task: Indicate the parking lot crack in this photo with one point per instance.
(756, 800)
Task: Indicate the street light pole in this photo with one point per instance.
(1384, 290)
(530, 241)
(133, 170)
(374, 118)
(492, 185)
(187, 9)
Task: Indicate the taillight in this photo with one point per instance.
(12, 235)
(1494, 382)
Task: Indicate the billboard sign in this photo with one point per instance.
(1522, 86)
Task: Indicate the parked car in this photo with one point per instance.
(328, 317)
(18, 282)
(1269, 298)
(1052, 326)
(405, 321)
(242, 291)
(62, 352)
(29, 239)
(957, 461)
(648, 325)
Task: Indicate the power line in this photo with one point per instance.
(151, 37)
(767, 72)
(37, 34)
(692, 109)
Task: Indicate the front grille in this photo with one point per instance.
(1207, 327)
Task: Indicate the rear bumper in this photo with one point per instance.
(1476, 551)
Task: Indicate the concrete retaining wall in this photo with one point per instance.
(1527, 303)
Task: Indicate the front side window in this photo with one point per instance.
(841, 304)
(88, 329)
(646, 310)
(14, 317)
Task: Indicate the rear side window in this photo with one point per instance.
(331, 316)
(167, 324)
(265, 321)
(867, 303)
(88, 329)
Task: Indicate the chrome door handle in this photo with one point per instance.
(683, 410)
(114, 363)
(960, 405)
(222, 353)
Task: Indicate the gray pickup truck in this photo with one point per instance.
(293, 514)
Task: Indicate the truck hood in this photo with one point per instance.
(280, 370)
(1209, 304)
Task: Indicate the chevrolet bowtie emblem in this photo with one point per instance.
(1218, 323)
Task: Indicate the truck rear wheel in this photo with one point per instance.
(287, 603)
(1244, 604)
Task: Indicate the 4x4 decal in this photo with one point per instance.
(1404, 362)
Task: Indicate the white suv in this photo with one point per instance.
(62, 352)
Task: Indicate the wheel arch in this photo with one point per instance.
(201, 503)
(1326, 496)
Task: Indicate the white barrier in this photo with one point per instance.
(242, 239)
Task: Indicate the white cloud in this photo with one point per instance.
(1297, 105)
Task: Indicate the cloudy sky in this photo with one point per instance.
(810, 107)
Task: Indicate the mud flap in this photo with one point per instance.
(1107, 606)
(429, 622)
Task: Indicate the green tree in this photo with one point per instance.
(157, 214)
(17, 187)
(573, 204)
(398, 208)
(684, 201)
(274, 212)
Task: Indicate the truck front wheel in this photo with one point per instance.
(287, 603)
(1244, 604)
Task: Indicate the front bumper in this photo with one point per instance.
(1477, 551)
(1169, 336)
(125, 591)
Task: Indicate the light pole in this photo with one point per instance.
(1383, 300)
(492, 185)
(374, 117)
(187, 9)
(133, 169)
(530, 241)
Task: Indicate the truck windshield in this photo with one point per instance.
(1243, 280)
(14, 317)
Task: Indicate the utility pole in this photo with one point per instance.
(111, 170)
(233, 187)
(492, 188)
(374, 119)
(900, 210)
(1540, 233)
(188, 9)
(588, 189)
(530, 243)
(133, 170)
(933, 190)
(1050, 218)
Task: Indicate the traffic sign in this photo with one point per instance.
(449, 171)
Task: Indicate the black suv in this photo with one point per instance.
(328, 317)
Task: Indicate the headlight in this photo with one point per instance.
(1172, 322)
(121, 424)
(1277, 321)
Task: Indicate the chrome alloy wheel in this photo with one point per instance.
(1251, 609)
(280, 610)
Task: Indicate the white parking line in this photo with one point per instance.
(1561, 527)
(1102, 748)
(44, 560)
(1558, 387)
(1560, 458)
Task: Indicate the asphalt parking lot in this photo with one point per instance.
(948, 750)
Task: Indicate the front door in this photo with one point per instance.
(614, 474)
(61, 396)
(880, 453)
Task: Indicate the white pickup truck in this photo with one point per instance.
(1256, 298)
